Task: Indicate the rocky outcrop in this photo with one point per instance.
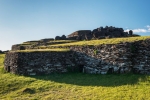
(130, 32)
(101, 59)
(98, 33)
(57, 38)
(47, 40)
(63, 37)
(80, 35)
(17, 47)
(108, 32)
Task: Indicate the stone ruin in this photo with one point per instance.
(109, 32)
(102, 59)
(80, 35)
(47, 40)
(99, 33)
(63, 37)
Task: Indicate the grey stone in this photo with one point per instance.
(114, 58)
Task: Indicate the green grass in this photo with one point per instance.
(30, 42)
(1, 59)
(43, 50)
(73, 86)
(64, 43)
(55, 42)
(105, 41)
(67, 41)
(50, 42)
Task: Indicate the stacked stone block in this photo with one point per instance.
(101, 59)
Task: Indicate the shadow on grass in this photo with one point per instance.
(109, 80)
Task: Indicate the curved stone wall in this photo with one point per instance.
(102, 59)
(106, 58)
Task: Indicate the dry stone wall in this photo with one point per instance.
(141, 57)
(102, 59)
(23, 47)
(34, 63)
(117, 58)
(17, 47)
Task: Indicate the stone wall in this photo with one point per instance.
(117, 58)
(33, 63)
(17, 47)
(102, 59)
(141, 57)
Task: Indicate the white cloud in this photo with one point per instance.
(127, 30)
(139, 30)
(148, 26)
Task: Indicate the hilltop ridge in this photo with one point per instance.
(98, 35)
(63, 44)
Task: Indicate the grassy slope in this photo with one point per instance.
(105, 41)
(73, 86)
(57, 43)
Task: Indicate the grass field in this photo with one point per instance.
(73, 86)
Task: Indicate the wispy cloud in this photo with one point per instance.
(140, 30)
(148, 26)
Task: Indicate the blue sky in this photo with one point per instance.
(25, 20)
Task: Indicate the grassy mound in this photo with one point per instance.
(55, 45)
(105, 41)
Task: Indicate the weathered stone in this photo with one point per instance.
(57, 38)
(130, 32)
(81, 35)
(112, 58)
(47, 40)
(63, 37)
(17, 47)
